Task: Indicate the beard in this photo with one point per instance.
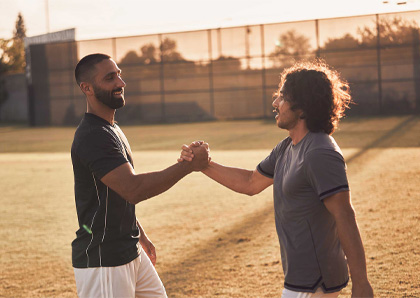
(287, 120)
(108, 98)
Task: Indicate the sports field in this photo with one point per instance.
(210, 241)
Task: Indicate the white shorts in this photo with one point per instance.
(318, 294)
(137, 279)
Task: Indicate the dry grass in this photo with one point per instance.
(224, 135)
(210, 242)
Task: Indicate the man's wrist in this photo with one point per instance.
(207, 168)
(362, 279)
(186, 167)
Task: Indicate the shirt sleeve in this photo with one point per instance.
(268, 165)
(326, 172)
(101, 152)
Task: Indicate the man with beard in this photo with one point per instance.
(315, 221)
(112, 255)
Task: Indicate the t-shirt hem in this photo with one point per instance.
(112, 167)
(334, 191)
(261, 171)
(307, 289)
(107, 264)
(314, 288)
(335, 288)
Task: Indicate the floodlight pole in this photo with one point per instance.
(47, 16)
(378, 55)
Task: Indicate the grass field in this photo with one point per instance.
(210, 241)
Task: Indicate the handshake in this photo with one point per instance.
(197, 153)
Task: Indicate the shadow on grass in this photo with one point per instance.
(391, 138)
(215, 264)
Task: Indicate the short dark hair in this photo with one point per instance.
(83, 71)
(319, 92)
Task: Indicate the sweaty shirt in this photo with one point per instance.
(303, 175)
(98, 148)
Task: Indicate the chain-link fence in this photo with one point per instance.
(231, 73)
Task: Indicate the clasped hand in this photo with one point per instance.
(198, 153)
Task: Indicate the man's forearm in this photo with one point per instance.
(152, 184)
(352, 245)
(339, 205)
(142, 233)
(235, 179)
(138, 187)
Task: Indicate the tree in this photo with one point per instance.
(131, 58)
(227, 63)
(12, 50)
(345, 42)
(12, 55)
(150, 55)
(168, 50)
(392, 31)
(291, 46)
(20, 30)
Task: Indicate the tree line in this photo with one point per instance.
(12, 55)
(289, 47)
(396, 31)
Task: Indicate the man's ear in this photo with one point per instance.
(302, 115)
(86, 88)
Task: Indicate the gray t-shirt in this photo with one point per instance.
(304, 174)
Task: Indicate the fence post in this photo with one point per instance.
(378, 51)
(318, 49)
(416, 66)
(219, 41)
(114, 48)
(248, 58)
(264, 83)
(162, 83)
(211, 86)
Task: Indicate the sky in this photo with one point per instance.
(94, 19)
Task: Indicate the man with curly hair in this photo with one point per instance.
(315, 221)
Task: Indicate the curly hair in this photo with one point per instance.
(319, 92)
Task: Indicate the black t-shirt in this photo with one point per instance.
(108, 233)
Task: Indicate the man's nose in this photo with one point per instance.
(275, 103)
(121, 83)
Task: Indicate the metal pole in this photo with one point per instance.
(318, 49)
(211, 85)
(416, 67)
(247, 32)
(71, 60)
(114, 48)
(378, 51)
(219, 41)
(263, 71)
(162, 83)
(47, 16)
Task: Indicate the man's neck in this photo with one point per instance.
(102, 111)
(298, 132)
